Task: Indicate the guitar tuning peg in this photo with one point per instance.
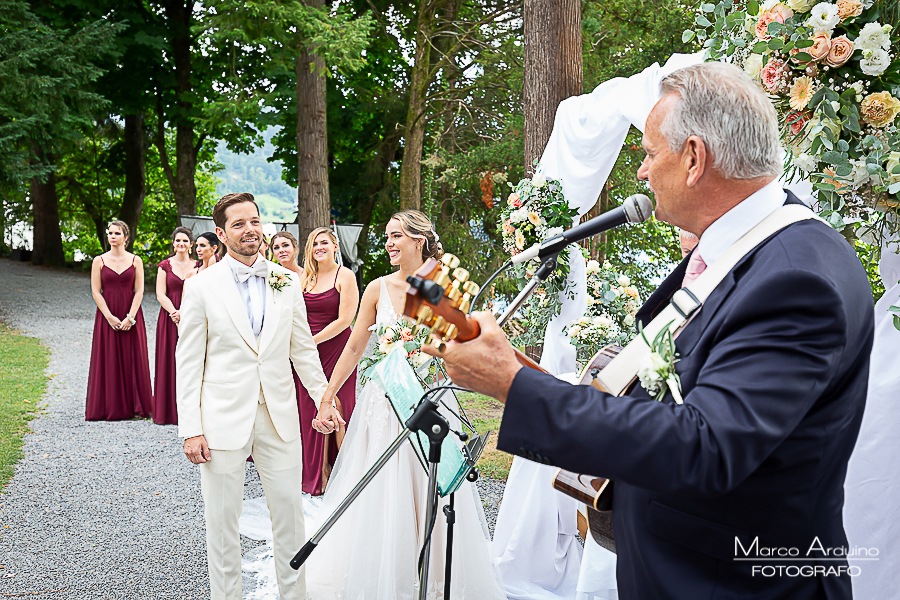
(450, 260)
(441, 345)
(425, 314)
(442, 278)
(440, 325)
(460, 274)
(471, 288)
(452, 332)
(453, 293)
(465, 305)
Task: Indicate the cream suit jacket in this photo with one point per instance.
(221, 367)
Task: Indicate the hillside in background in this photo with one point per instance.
(253, 173)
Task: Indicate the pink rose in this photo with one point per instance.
(795, 121)
(821, 46)
(762, 25)
(847, 9)
(841, 51)
(775, 76)
(514, 200)
(508, 228)
(780, 10)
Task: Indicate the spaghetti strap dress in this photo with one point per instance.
(119, 377)
(164, 411)
(321, 310)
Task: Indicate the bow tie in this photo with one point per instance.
(259, 269)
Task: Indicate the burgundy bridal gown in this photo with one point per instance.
(164, 411)
(119, 379)
(322, 309)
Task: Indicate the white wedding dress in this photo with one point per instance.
(372, 551)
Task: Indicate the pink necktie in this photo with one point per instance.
(695, 266)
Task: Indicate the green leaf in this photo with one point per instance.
(760, 47)
(804, 44)
(896, 322)
(834, 158)
(843, 146)
(702, 21)
(708, 7)
(894, 188)
(802, 56)
(829, 110)
(843, 170)
(687, 35)
(752, 8)
(817, 97)
(831, 94)
(835, 220)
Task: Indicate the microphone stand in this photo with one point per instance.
(540, 276)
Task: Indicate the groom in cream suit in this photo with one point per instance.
(241, 321)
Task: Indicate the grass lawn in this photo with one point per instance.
(485, 413)
(22, 384)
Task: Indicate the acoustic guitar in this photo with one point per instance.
(439, 296)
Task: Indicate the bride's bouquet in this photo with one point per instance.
(391, 336)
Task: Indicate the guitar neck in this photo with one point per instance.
(527, 362)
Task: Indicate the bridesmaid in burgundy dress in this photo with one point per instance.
(332, 298)
(170, 278)
(119, 379)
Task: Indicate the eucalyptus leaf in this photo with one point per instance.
(752, 8)
(843, 170)
(687, 35)
(834, 158)
(708, 7)
(760, 47)
(894, 188)
(702, 21)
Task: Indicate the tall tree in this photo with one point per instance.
(45, 98)
(553, 69)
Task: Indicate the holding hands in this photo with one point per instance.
(329, 418)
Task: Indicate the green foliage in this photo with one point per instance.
(22, 386)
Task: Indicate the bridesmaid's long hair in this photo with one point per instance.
(417, 226)
(286, 235)
(310, 275)
(185, 231)
(214, 242)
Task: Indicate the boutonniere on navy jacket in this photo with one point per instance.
(658, 375)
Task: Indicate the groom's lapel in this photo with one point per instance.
(231, 297)
(270, 321)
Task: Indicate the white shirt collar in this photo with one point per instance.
(731, 226)
(234, 263)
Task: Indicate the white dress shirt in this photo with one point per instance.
(731, 226)
(255, 300)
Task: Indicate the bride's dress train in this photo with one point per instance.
(372, 551)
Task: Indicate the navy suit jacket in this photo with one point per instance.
(773, 371)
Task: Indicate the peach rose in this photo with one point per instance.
(508, 228)
(762, 25)
(821, 46)
(849, 8)
(796, 121)
(841, 51)
(780, 10)
(514, 200)
(775, 76)
(879, 109)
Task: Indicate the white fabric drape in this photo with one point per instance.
(534, 542)
(872, 486)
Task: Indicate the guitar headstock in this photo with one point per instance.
(439, 296)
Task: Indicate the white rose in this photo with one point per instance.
(385, 346)
(539, 178)
(875, 62)
(574, 330)
(602, 321)
(892, 162)
(623, 280)
(583, 321)
(858, 87)
(420, 358)
(593, 266)
(750, 24)
(805, 163)
(800, 6)
(628, 321)
(650, 380)
(874, 36)
(860, 174)
(753, 65)
(824, 17)
(518, 215)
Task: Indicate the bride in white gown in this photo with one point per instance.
(372, 551)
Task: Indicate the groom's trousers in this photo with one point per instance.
(280, 467)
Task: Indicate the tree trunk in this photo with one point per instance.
(552, 67)
(181, 179)
(313, 200)
(411, 169)
(47, 237)
(135, 178)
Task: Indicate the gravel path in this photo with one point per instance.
(97, 509)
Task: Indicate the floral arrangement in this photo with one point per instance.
(612, 304)
(658, 375)
(279, 281)
(390, 337)
(536, 210)
(832, 71)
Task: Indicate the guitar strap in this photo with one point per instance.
(622, 370)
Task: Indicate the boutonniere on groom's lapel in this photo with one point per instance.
(279, 281)
(658, 376)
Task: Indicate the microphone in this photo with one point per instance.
(635, 209)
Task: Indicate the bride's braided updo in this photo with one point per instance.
(417, 226)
